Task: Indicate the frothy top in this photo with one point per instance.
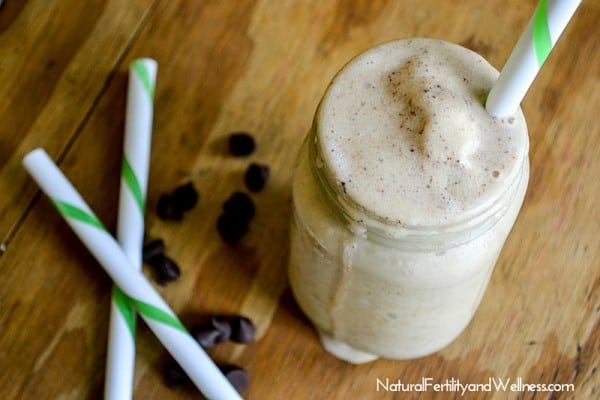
(404, 137)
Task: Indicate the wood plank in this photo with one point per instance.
(56, 59)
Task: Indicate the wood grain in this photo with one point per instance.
(57, 58)
(262, 66)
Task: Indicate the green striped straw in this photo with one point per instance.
(532, 49)
(132, 283)
(120, 361)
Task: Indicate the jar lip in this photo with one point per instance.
(360, 221)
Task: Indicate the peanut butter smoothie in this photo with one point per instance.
(404, 193)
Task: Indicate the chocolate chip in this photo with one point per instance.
(185, 197)
(256, 176)
(169, 272)
(222, 324)
(239, 205)
(165, 269)
(242, 329)
(206, 336)
(237, 376)
(172, 206)
(166, 210)
(217, 330)
(173, 374)
(231, 228)
(241, 143)
(153, 249)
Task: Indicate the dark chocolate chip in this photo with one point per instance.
(217, 330)
(256, 176)
(242, 329)
(185, 197)
(165, 269)
(169, 271)
(239, 205)
(222, 324)
(153, 248)
(231, 228)
(173, 374)
(237, 376)
(241, 143)
(206, 336)
(166, 209)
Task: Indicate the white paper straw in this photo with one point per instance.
(149, 304)
(118, 384)
(534, 45)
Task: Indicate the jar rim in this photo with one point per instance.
(359, 221)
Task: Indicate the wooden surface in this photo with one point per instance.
(262, 66)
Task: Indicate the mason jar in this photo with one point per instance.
(404, 193)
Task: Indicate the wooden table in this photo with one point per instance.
(261, 66)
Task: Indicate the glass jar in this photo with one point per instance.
(376, 286)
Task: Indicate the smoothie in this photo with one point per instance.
(404, 193)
